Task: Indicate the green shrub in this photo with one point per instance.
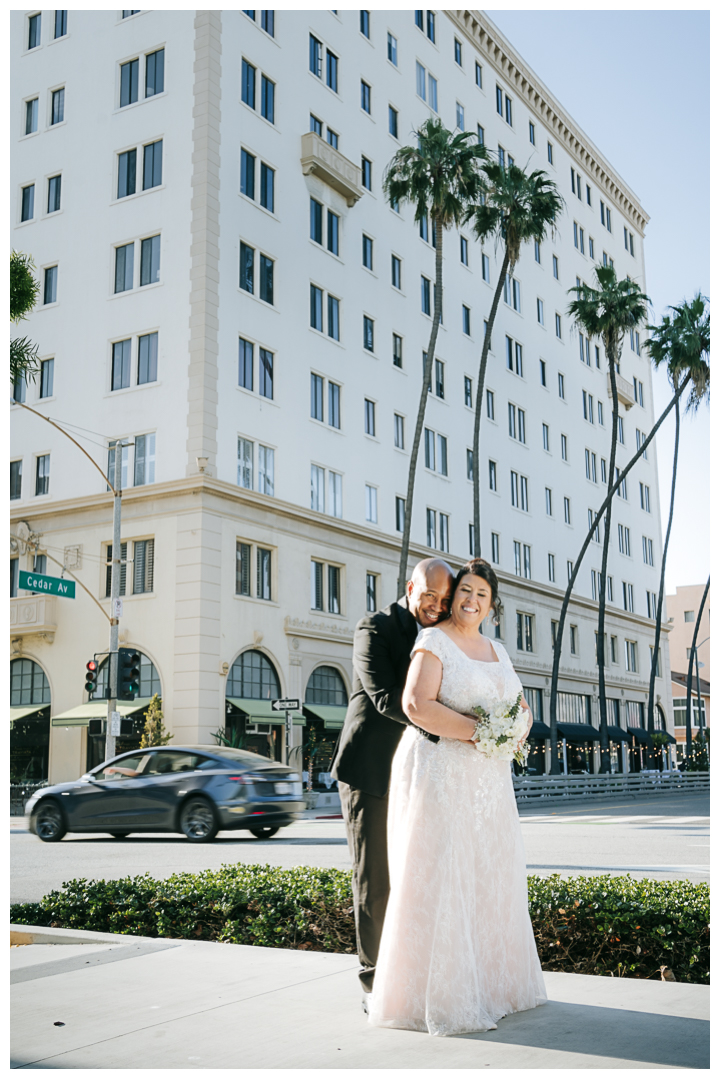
(595, 926)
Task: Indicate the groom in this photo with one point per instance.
(373, 727)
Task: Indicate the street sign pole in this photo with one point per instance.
(114, 594)
(288, 706)
(288, 735)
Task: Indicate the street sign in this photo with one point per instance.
(115, 724)
(117, 607)
(285, 703)
(42, 583)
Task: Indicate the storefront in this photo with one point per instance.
(251, 723)
(29, 722)
(325, 706)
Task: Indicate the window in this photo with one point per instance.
(15, 479)
(57, 110)
(365, 96)
(367, 252)
(548, 501)
(150, 260)
(561, 386)
(369, 417)
(558, 325)
(467, 385)
(630, 655)
(689, 616)
(492, 475)
(333, 405)
(333, 314)
(34, 29)
(603, 471)
(395, 271)
(647, 550)
(368, 333)
(247, 84)
(420, 80)
(550, 152)
(478, 75)
(267, 270)
(485, 268)
(124, 259)
(466, 319)
(147, 358)
(644, 497)
(459, 116)
(42, 474)
(464, 250)
(317, 488)
(551, 570)
(123, 568)
(392, 49)
(439, 379)
(27, 211)
(425, 295)
(546, 437)
(50, 285)
(563, 447)
(155, 73)
(621, 430)
(266, 470)
(399, 513)
(429, 449)
(638, 386)
(397, 350)
(399, 431)
(566, 510)
(596, 530)
(245, 463)
(127, 167)
(333, 231)
(53, 202)
(469, 464)
(588, 411)
(152, 165)
(129, 74)
(371, 504)
(144, 469)
(366, 174)
(574, 640)
(267, 22)
(393, 121)
(371, 592)
(334, 494)
(624, 539)
(317, 384)
(591, 247)
(524, 632)
(481, 135)
(513, 355)
(315, 57)
(543, 373)
(31, 116)
(267, 188)
(591, 466)
(651, 598)
(431, 527)
(316, 221)
(247, 174)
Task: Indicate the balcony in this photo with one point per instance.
(33, 615)
(625, 393)
(322, 160)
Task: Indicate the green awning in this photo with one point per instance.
(19, 712)
(260, 711)
(96, 710)
(332, 716)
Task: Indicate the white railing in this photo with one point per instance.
(569, 788)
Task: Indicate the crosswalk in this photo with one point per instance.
(568, 817)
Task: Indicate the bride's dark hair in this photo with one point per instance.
(480, 568)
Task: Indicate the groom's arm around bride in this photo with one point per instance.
(373, 727)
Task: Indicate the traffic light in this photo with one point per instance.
(128, 674)
(91, 676)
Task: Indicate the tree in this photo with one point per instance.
(682, 343)
(441, 179)
(692, 659)
(514, 207)
(608, 312)
(23, 294)
(155, 733)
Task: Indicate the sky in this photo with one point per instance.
(638, 84)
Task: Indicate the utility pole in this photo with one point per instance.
(114, 596)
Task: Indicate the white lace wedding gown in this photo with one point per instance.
(457, 950)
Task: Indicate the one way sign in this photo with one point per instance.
(286, 703)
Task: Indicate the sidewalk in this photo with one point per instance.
(102, 1001)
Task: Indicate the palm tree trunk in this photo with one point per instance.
(661, 590)
(557, 650)
(688, 703)
(427, 376)
(479, 394)
(604, 742)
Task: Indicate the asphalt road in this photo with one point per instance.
(657, 837)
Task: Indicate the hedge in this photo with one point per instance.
(587, 925)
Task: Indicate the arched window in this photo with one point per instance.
(326, 687)
(253, 676)
(28, 683)
(149, 679)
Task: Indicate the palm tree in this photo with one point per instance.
(514, 207)
(690, 756)
(23, 294)
(682, 343)
(440, 177)
(608, 312)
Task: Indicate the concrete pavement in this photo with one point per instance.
(99, 1001)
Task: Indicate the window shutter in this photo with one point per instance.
(139, 567)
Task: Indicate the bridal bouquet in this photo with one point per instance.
(501, 730)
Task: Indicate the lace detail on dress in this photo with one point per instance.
(457, 951)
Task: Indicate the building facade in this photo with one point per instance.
(683, 608)
(225, 289)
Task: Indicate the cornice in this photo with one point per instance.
(497, 51)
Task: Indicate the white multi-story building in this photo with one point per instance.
(225, 288)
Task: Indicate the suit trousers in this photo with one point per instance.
(366, 827)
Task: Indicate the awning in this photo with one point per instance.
(539, 730)
(640, 734)
(97, 710)
(578, 733)
(616, 734)
(332, 716)
(19, 712)
(670, 738)
(260, 711)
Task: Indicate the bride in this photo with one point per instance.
(457, 950)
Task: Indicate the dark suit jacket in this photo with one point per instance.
(375, 722)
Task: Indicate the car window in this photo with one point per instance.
(171, 761)
(123, 768)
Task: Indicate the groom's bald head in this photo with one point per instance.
(428, 591)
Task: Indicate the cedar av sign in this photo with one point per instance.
(41, 583)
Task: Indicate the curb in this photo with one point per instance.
(50, 935)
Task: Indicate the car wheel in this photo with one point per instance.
(264, 832)
(198, 821)
(120, 834)
(50, 821)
